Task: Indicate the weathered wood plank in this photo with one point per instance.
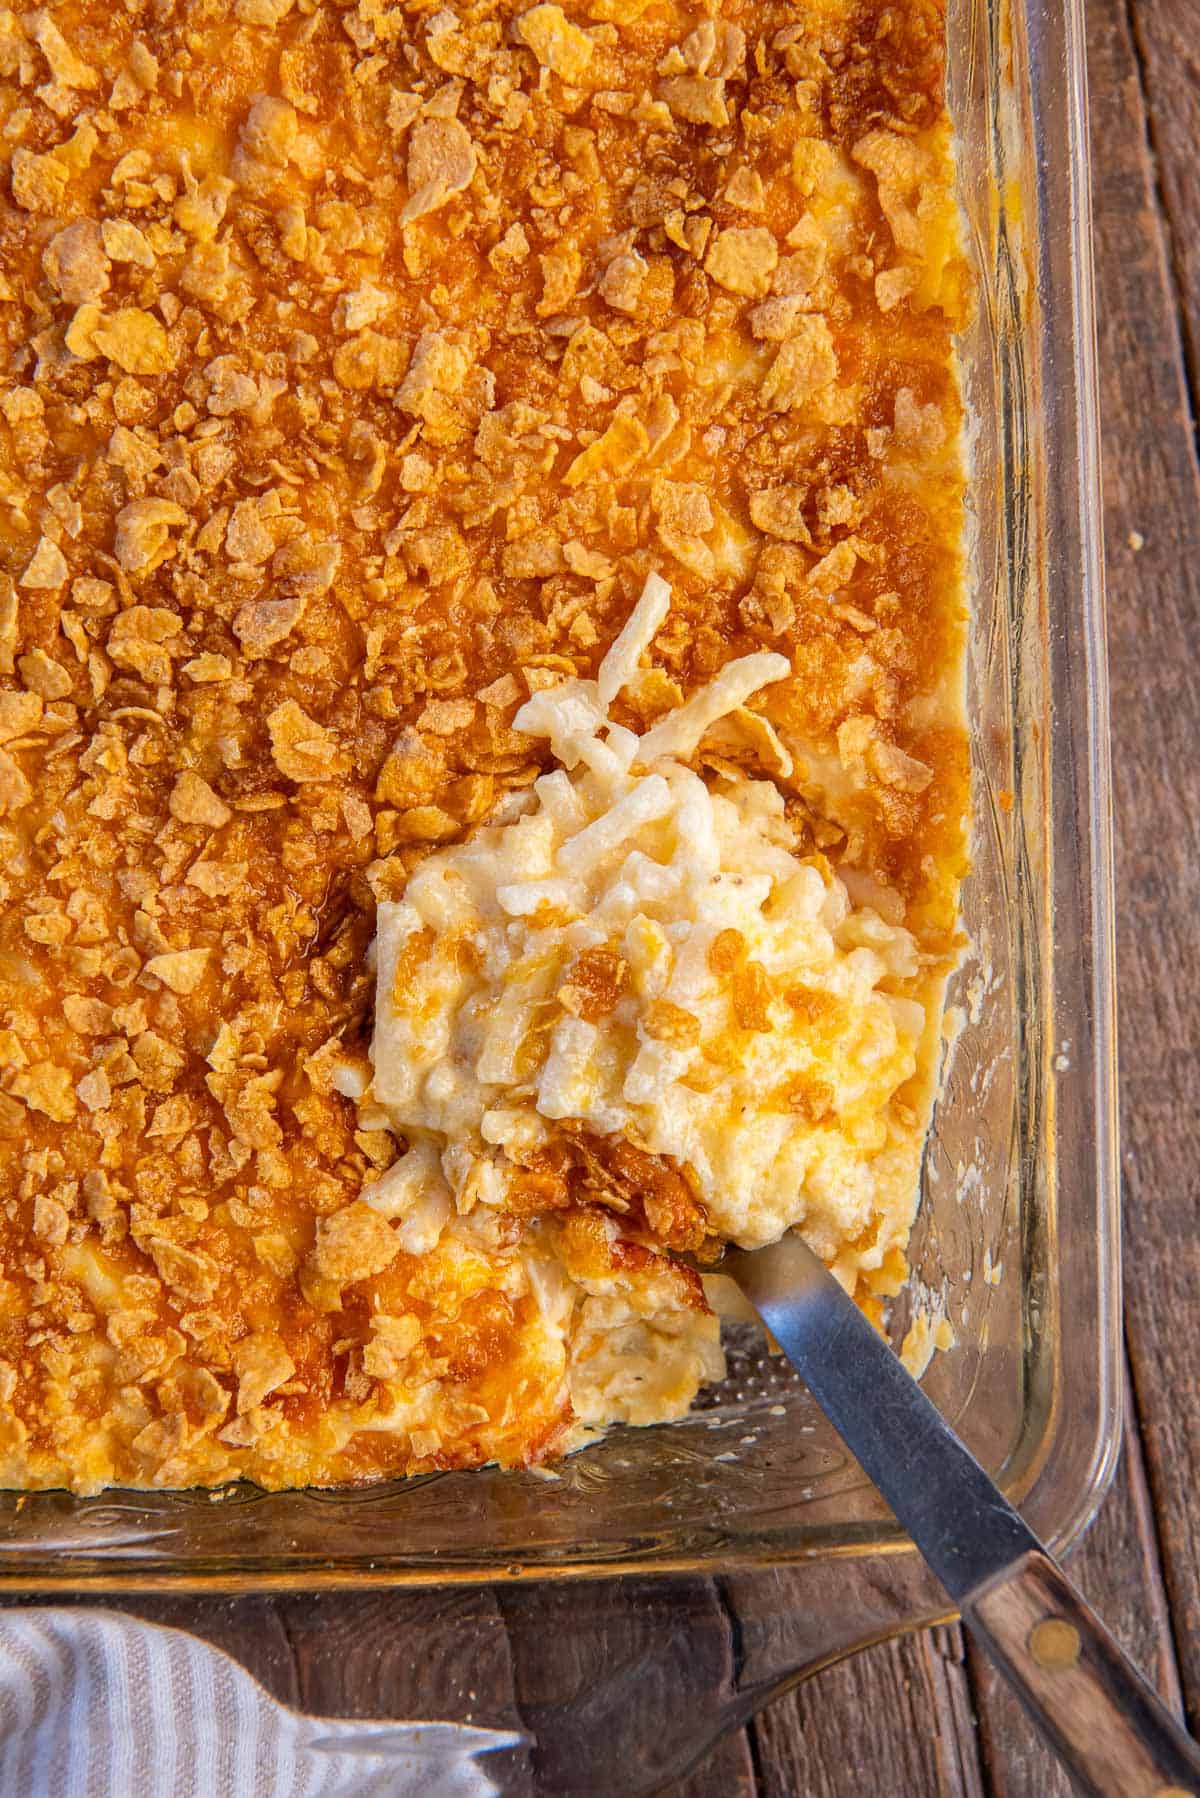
(1168, 47)
(897, 1718)
(728, 1772)
(1152, 488)
(622, 1682)
(412, 1654)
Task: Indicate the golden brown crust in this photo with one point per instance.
(358, 366)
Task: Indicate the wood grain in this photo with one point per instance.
(896, 1719)
(1152, 488)
(728, 1772)
(602, 1674)
(1167, 43)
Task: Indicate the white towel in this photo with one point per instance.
(94, 1704)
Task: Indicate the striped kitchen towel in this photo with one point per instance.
(94, 1704)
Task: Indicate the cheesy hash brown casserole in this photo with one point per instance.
(482, 510)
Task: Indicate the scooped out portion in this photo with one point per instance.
(627, 1006)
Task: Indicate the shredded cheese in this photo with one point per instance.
(635, 954)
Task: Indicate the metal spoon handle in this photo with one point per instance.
(1096, 1710)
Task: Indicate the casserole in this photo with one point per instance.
(1020, 1260)
(337, 714)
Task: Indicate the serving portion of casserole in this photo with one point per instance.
(486, 483)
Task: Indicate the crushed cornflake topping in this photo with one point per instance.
(360, 364)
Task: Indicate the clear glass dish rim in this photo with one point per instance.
(1059, 1483)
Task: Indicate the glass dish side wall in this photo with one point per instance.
(1016, 1242)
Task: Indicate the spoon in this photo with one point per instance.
(1100, 1716)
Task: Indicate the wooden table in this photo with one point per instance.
(923, 1715)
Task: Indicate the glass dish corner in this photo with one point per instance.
(1017, 1241)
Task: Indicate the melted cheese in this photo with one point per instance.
(637, 954)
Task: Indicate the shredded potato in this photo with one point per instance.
(640, 955)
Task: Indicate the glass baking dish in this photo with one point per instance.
(1017, 1239)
